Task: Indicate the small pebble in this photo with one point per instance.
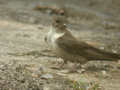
(47, 76)
(103, 72)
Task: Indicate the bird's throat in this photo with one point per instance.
(53, 35)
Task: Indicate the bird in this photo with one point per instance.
(69, 48)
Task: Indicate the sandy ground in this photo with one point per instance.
(25, 59)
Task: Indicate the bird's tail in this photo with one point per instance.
(98, 54)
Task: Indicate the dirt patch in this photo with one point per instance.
(26, 60)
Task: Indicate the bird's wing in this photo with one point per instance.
(72, 46)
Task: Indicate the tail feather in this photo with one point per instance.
(98, 54)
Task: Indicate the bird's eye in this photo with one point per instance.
(57, 21)
(45, 38)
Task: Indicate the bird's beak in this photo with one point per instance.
(45, 38)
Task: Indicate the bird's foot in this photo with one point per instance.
(72, 67)
(59, 65)
(76, 68)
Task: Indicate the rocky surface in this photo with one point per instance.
(26, 60)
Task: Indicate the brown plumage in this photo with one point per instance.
(69, 48)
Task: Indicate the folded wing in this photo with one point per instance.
(73, 47)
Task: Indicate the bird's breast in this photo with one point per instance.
(52, 36)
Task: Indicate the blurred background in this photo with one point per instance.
(23, 25)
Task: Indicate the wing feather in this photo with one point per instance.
(72, 46)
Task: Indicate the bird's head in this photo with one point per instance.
(57, 30)
(59, 24)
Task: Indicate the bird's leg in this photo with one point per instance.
(60, 64)
(63, 64)
(76, 67)
(72, 67)
(82, 68)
